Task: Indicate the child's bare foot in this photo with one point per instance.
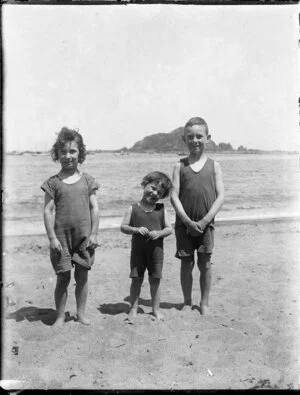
(186, 307)
(157, 314)
(132, 313)
(204, 309)
(59, 322)
(83, 320)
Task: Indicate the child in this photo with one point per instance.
(148, 223)
(197, 196)
(71, 219)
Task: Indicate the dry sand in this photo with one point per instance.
(250, 339)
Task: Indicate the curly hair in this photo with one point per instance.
(196, 121)
(68, 135)
(158, 178)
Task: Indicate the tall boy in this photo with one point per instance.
(197, 196)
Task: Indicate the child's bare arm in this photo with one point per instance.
(191, 225)
(218, 203)
(94, 211)
(175, 196)
(166, 231)
(49, 214)
(130, 230)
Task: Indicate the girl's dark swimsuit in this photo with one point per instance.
(72, 221)
(147, 253)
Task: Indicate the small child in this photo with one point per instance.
(71, 218)
(148, 223)
(197, 196)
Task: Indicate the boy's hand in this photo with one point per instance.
(143, 231)
(194, 230)
(201, 225)
(55, 246)
(154, 235)
(92, 242)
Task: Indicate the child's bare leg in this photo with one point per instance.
(61, 295)
(135, 290)
(155, 296)
(186, 279)
(205, 281)
(81, 293)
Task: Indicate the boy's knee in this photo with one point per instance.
(137, 280)
(204, 262)
(154, 280)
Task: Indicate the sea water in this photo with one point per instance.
(256, 186)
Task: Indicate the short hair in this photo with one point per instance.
(196, 121)
(158, 178)
(68, 135)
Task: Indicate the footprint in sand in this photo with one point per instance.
(129, 321)
(158, 317)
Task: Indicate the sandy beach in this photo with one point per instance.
(250, 339)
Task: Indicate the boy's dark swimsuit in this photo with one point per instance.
(197, 194)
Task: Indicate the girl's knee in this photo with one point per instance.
(187, 264)
(81, 276)
(203, 262)
(63, 278)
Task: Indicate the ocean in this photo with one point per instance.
(256, 186)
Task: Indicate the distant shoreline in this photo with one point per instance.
(34, 229)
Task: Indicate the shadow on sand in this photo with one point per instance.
(114, 308)
(119, 308)
(163, 305)
(32, 313)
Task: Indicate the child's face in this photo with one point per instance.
(152, 192)
(68, 155)
(195, 138)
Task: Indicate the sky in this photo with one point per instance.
(120, 73)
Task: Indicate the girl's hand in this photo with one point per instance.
(92, 242)
(154, 235)
(143, 231)
(55, 246)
